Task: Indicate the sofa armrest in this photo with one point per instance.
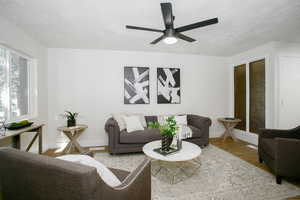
(273, 133)
(136, 186)
(287, 156)
(113, 131)
(199, 121)
(111, 123)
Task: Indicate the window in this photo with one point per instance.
(15, 85)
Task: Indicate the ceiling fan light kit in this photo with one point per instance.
(171, 34)
(170, 40)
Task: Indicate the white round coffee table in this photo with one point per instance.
(175, 167)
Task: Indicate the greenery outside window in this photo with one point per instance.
(17, 86)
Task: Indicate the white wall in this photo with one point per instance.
(16, 39)
(91, 82)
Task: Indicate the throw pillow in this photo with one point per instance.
(106, 175)
(181, 120)
(143, 120)
(162, 119)
(119, 118)
(133, 123)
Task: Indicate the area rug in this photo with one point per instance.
(221, 176)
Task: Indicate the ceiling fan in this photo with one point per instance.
(170, 34)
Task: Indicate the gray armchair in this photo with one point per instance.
(280, 150)
(28, 176)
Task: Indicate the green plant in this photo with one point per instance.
(70, 116)
(169, 129)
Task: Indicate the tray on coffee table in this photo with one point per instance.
(165, 153)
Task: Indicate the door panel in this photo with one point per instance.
(240, 95)
(257, 95)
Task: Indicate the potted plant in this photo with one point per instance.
(71, 118)
(168, 131)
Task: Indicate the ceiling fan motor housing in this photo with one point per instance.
(170, 33)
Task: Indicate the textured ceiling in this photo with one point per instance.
(99, 24)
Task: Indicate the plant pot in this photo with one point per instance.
(71, 123)
(166, 141)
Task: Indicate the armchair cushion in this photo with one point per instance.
(106, 175)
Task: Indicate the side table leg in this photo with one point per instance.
(225, 135)
(231, 131)
(74, 144)
(233, 136)
(16, 142)
(40, 132)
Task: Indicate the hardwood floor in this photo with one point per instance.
(241, 150)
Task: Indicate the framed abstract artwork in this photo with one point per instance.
(136, 85)
(168, 86)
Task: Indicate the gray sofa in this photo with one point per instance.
(34, 177)
(124, 142)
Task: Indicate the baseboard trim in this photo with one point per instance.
(83, 143)
(246, 136)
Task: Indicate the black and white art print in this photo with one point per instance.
(168, 86)
(136, 85)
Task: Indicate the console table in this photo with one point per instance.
(16, 135)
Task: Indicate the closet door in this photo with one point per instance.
(257, 95)
(240, 95)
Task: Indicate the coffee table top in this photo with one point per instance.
(188, 152)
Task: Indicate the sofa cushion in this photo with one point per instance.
(181, 119)
(133, 123)
(269, 146)
(197, 133)
(151, 119)
(139, 137)
(119, 119)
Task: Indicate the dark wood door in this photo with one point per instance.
(257, 95)
(240, 95)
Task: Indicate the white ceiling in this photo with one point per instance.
(99, 24)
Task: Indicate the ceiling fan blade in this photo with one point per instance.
(157, 40)
(144, 29)
(166, 9)
(184, 37)
(197, 25)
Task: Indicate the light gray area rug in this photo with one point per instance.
(221, 176)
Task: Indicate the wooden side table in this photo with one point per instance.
(73, 134)
(229, 125)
